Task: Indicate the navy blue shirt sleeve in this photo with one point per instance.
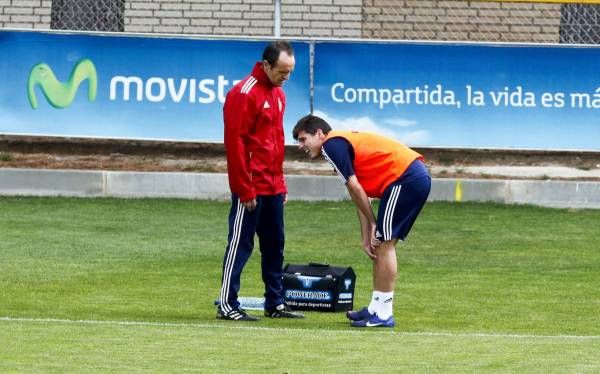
(340, 154)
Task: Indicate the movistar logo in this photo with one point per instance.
(58, 94)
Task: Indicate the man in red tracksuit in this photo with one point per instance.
(254, 143)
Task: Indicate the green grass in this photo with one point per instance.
(481, 288)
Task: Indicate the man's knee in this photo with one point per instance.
(389, 245)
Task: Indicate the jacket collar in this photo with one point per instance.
(261, 76)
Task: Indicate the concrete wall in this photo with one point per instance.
(461, 20)
(321, 18)
(34, 182)
(210, 17)
(337, 18)
(25, 14)
(375, 19)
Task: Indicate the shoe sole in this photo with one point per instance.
(287, 316)
(372, 326)
(389, 323)
(223, 318)
(239, 320)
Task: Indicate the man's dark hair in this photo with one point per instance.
(274, 49)
(310, 124)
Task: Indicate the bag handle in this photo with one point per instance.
(318, 265)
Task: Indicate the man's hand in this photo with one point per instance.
(370, 243)
(250, 205)
(375, 242)
(369, 250)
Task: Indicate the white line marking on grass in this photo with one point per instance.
(244, 326)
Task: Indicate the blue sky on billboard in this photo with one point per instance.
(396, 128)
(470, 95)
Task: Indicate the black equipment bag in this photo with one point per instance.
(319, 287)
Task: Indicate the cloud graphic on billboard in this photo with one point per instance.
(399, 122)
(415, 137)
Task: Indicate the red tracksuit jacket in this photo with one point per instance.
(254, 140)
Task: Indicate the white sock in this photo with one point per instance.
(385, 305)
(373, 306)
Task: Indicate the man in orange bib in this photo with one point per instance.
(373, 166)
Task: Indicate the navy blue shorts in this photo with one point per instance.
(402, 202)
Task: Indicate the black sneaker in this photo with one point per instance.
(235, 315)
(283, 311)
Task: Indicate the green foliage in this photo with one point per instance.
(4, 156)
(481, 287)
